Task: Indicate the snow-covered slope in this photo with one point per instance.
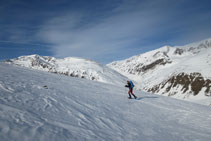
(71, 66)
(181, 72)
(40, 106)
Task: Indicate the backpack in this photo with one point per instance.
(131, 83)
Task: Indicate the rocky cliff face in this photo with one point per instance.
(192, 83)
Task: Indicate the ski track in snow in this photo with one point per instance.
(78, 109)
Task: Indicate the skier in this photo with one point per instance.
(130, 85)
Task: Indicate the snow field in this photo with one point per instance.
(78, 109)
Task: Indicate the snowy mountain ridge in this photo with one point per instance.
(182, 71)
(71, 66)
(163, 55)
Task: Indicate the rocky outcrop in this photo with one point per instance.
(179, 51)
(186, 83)
(144, 68)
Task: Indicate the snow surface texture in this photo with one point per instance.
(71, 66)
(40, 106)
(180, 72)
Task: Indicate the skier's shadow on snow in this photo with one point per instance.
(140, 98)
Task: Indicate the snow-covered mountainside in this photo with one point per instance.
(40, 106)
(71, 66)
(181, 72)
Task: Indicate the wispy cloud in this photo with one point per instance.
(128, 26)
(123, 28)
(115, 29)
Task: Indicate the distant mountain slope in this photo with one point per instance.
(182, 72)
(41, 106)
(75, 67)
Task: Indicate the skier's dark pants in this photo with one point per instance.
(130, 92)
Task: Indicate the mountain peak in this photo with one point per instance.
(71, 66)
(160, 70)
(197, 47)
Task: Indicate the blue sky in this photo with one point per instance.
(100, 30)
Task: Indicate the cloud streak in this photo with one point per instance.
(113, 35)
(114, 29)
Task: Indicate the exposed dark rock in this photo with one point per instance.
(197, 85)
(8, 61)
(193, 82)
(45, 86)
(154, 64)
(165, 54)
(143, 68)
(179, 51)
(156, 54)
